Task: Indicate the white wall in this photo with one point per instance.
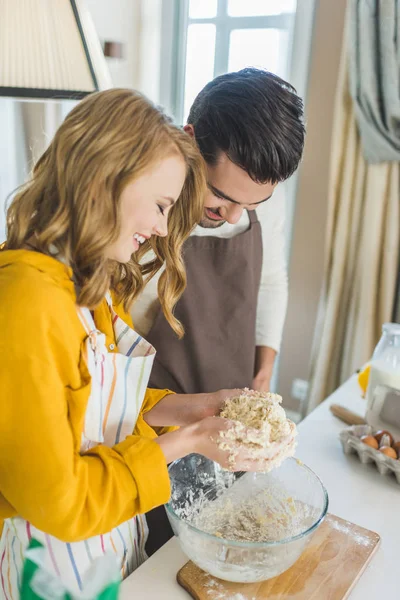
(136, 24)
(148, 80)
(119, 21)
(8, 156)
(26, 129)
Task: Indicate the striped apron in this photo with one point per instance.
(119, 382)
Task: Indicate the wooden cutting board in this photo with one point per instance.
(327, 570)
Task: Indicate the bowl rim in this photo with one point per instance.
(240, 544)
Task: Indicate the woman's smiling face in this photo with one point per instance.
(145, 204)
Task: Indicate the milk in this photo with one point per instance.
(383, 396)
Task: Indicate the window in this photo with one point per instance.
(217, 36)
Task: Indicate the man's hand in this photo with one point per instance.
(261, 382)
(265, 358)
(220, 397)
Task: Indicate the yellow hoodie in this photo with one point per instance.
(45, 387)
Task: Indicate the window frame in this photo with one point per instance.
(176, 14)
(175, 21)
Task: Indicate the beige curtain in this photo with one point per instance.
(362, 251)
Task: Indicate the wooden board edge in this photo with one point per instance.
(364, 566)
(182, 582)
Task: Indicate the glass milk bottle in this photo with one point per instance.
(383, 392)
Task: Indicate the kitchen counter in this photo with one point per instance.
(357, 493)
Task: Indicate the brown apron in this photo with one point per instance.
(218, 311)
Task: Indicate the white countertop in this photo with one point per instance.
(357, 493)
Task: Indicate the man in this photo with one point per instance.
(249, 128)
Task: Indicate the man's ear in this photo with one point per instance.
(189, 129)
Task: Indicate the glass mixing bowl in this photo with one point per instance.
(213, 513)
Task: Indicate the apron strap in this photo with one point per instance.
(253, 216)
(109, 299)
(85, 317)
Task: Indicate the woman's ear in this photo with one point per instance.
(189, 129)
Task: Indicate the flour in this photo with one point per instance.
(247, 511)
(224, 595)
(260, 425)
(218, 592)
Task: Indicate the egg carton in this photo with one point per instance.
(352, 443)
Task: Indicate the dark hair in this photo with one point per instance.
(256, 118)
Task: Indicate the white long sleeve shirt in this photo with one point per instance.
(273, 292)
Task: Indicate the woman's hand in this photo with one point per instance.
(184, 409)
(214, 442)
(204, 437)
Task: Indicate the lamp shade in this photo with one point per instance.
(49, 49)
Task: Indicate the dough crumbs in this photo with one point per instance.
(261, 425)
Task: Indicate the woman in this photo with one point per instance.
(80, 459)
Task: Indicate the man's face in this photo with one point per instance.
(230, 192)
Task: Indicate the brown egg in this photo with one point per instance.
(382, 432)
(370, 441)
(388, 451)
(396, 446)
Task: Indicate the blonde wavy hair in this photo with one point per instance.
(71, 205)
